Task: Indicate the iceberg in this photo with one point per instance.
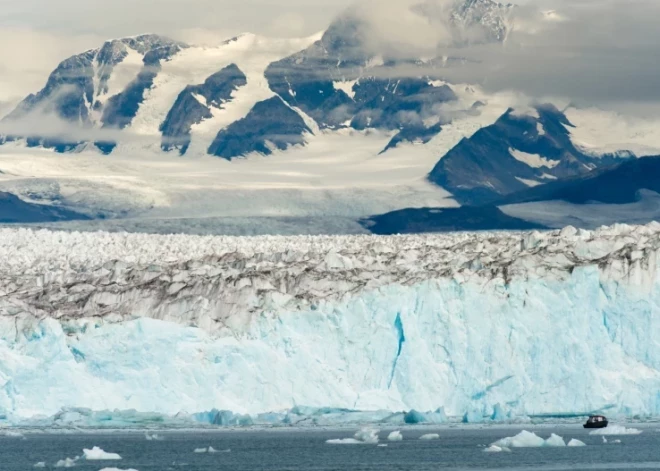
(40, 464)
(576, 443)
(344, 441)
(527, 439)
(395, 436)
(97, 454)
(67, 462)
(355, 328)
(365, 436)
(496, 449)
(430, 436)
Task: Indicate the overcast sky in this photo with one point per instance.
(597, 50)
(35, 35)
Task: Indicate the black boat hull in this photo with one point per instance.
(597, 425)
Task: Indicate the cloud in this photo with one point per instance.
(590, 52)
(601, 51)
(118, 18)
(27, 57)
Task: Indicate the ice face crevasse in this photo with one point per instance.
(516, 323)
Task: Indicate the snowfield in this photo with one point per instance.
(486, 325)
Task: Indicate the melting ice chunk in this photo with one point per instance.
(365, 436)
(40, 464)
(574, 442)
(430, 436)
(496, 449)
(395, 436)
(67, 462)
(616, 430)
(527, 439)
(97, 454)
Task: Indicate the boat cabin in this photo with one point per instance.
(596, 421)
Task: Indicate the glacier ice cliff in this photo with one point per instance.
(484, 325)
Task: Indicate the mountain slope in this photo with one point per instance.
(518, 151)
(15, 210)
(620, 184)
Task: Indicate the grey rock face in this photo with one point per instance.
(270, 124)
(483, 168)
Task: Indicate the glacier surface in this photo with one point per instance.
(486, 326)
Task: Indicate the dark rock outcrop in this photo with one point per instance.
(270, 124)
(188, 110)
(483, 168)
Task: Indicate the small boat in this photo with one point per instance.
(596, 421)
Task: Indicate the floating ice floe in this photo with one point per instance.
(430, 436)
(153, 436)
(575, 443)
(527, 439)
(497, 449)
(382, 445)
(97, 454)
(365, 436)
(616, 430)
(395, 436)
(210, 450)
(40, 464)
(67, 462)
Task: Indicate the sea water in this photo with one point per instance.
(307, 450)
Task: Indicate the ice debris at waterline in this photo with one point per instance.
(102, 320)
(67, 462)
(365, 436)
(616, 430)
(527, 439)
(99, 454)
(210, 450)
(153, 437)
(576, 443)
(430, 436)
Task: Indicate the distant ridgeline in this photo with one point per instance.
(338, 82)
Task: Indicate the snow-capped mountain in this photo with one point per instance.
(518, 151)
(339, 80)
(351, 129)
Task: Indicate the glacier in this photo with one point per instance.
(482, 326)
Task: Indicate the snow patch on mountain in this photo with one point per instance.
(122, 75)
(533, 160)
(249, 52)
